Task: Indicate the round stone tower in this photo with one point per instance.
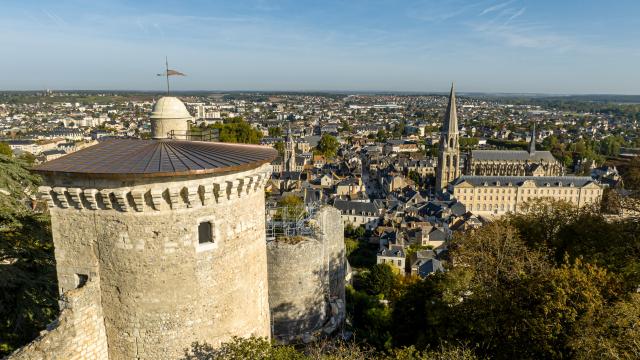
(307, 278)
(172, 231)
(297, 285)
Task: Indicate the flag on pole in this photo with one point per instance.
(172, 72)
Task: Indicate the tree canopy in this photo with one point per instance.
(328, 146)
(28, 283)
(544, 284)
(5, 149)
(237, 130)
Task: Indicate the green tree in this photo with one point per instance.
(612, 333)
(280, 147)
(381, 279)
(370, 318)
(237, 130)
(5, 149)
(468, 143)
(275, 131)
(28, 158)
(242, 349)
(292, 206)
(382, 136)
(328, 146)
(28, 284)
(631, 176)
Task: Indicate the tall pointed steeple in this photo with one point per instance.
(532, 143)
(290, 152)
(451, 115)
(449, 155)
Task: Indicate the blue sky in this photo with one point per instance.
(541, 46)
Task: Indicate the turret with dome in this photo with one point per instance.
(155, 236)
(169, 117)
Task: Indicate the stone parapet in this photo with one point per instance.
(178, 194)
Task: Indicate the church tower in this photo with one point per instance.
(532, 144)
(290, 153)
(449, 154)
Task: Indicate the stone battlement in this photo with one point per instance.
(156, 197)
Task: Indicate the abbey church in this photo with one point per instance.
(496, 182)
(488, 162)
(514, 162)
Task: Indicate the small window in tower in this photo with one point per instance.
(205, 232)
(81, 280)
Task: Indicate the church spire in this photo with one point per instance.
(532, 144)
(451, 116)
(449, 155)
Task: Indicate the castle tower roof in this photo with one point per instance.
(135, 158)
(451, 116)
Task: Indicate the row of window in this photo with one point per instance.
(391, 262)
(528, 191)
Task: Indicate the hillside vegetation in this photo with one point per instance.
(28, 286)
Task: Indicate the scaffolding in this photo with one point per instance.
(291, 221)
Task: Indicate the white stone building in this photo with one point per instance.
(497, 195)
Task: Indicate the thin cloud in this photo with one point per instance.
(55, 18)
(439, 11)
(495, 7)
(515, 15)
(524, 35)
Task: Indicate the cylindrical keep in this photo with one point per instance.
(297, 286)
(161, 288)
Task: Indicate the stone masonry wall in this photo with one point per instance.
(332, 234)
(78, 334)
(160, 289)
(307, 280)
(297, 286)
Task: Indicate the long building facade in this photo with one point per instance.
(498, 195)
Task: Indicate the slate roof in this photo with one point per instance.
(540, 181)
(358, 206)
(511, 155)
(393, 252)
(428, 266)
(135, 158)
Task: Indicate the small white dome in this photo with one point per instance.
(169, 118)
(170, 107)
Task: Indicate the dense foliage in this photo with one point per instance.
(556, 282)
(28, 286)
(237, 130)
(260, 349)
(327, 146)
(5, 149)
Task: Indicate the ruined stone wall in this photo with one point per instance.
(297, 286)
(331, 231)
(160, 289)
(307, 280)
(79, 332)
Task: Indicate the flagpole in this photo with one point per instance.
(166, 59)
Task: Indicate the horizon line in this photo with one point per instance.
(334, 91)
